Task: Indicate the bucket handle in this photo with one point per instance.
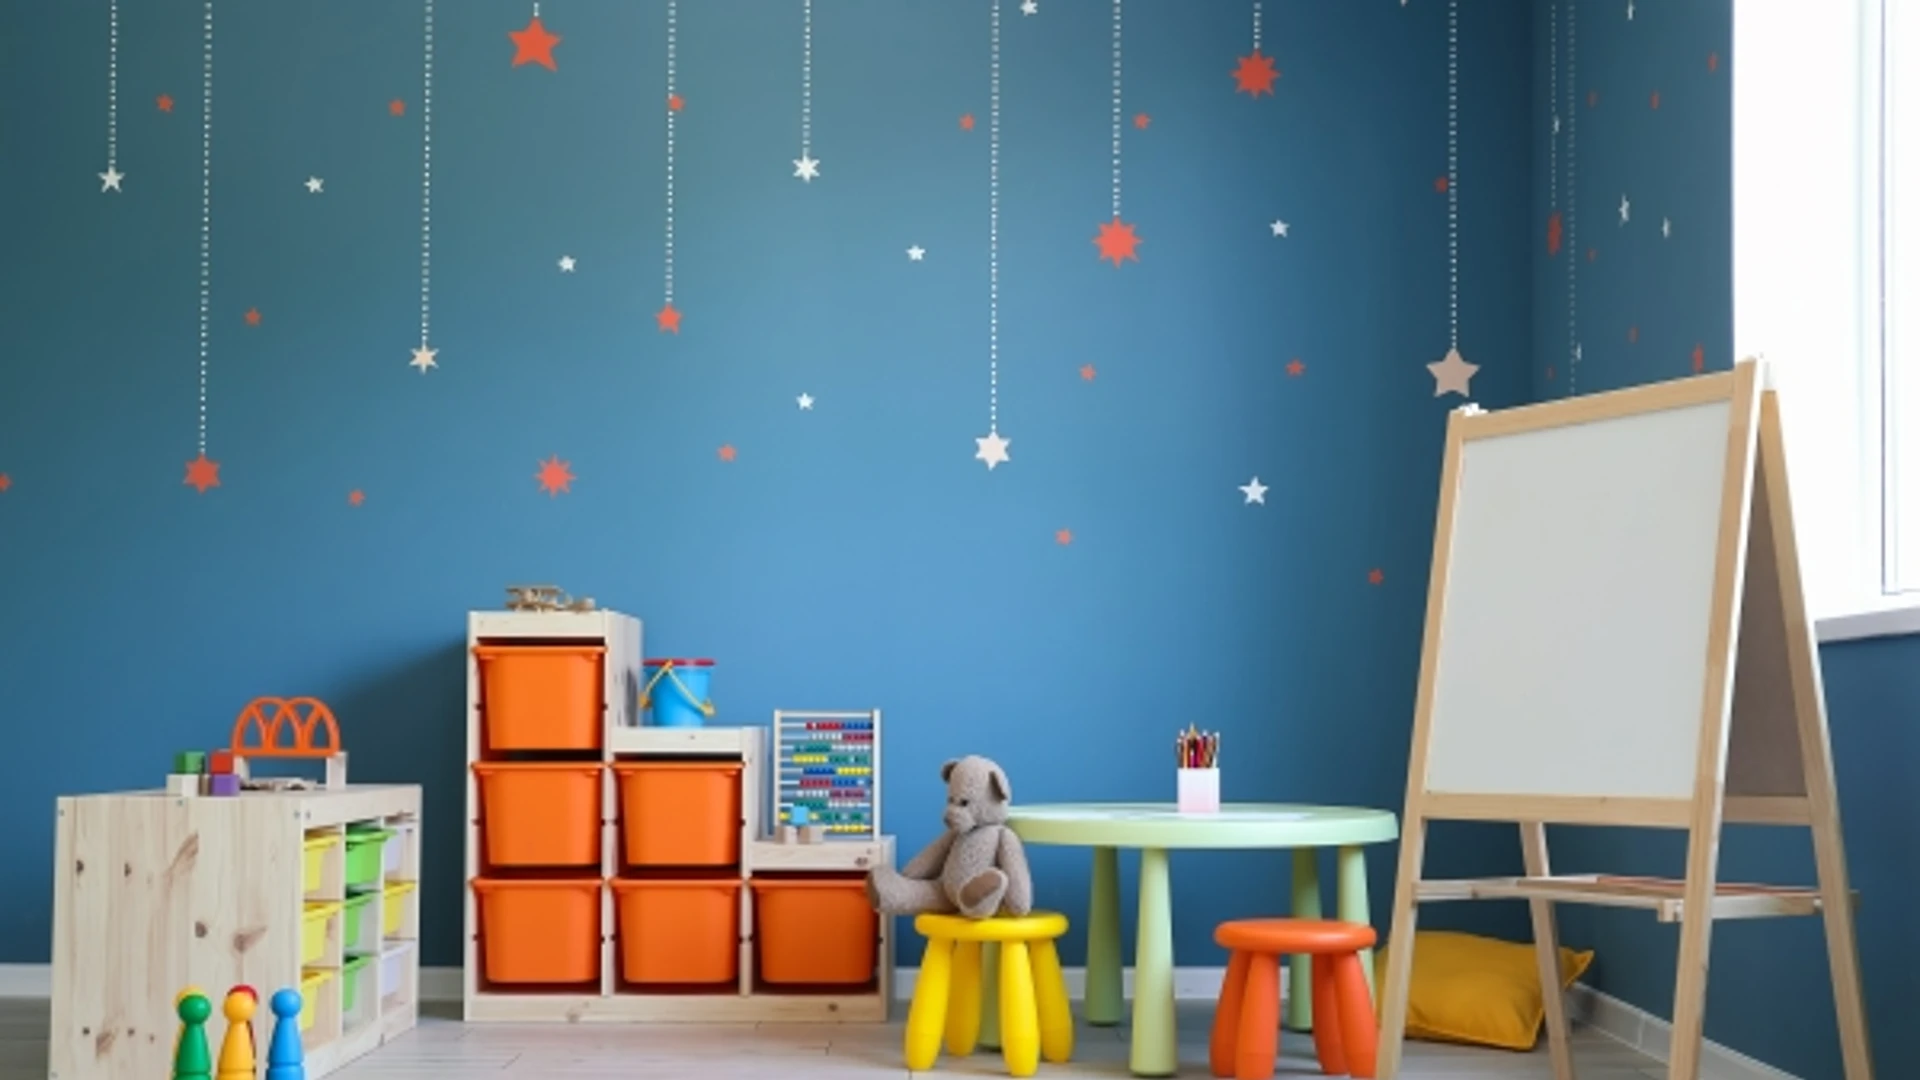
(666, 670)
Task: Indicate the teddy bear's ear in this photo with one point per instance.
(946, 771)
(997, 784)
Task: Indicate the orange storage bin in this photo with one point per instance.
(542, 697)
(678, 932)
(680, 813)
(815, 931)
(540, 813)
(543, 931)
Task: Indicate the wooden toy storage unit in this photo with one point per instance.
(625, 873)
(156, 892)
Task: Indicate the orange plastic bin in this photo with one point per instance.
(678, 932)
(680, 813)
(540, 813)
(815, 931)
(541, 931)
(542, 697)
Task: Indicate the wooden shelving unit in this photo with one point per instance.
(155, 892)
(747, 998)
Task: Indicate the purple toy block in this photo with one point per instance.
(223, 784)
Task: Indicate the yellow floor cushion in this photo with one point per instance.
(1478, 990)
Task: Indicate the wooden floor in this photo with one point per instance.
(443, 1047)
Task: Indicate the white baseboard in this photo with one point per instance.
(1626, 1023)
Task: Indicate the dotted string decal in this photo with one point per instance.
(1117, 240)
(426, 356)
(1452, 374)
(1256, 25)
(668, 317)
(806, 166)
(992, 447)
(110, 180)
(1573, 199)
(202, 472)
(1255, 72)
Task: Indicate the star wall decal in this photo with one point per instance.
(1088, 373)
(1255, 491)
(806, 168)
(916, 253)
(397, 107)
(424, 358)
(202, 473)
(315, 185)
(966, 121)
(1279, 227)
(992, 449)
(805, 401)
(566, 264)
(5, 483)
(668, 318)
(1029, 7)
(534, 45)
(253, 316)
(110, 180)
(728, 453)
(1666, 228)
(1118, 241)
(1255, 74)
(555, 476)
(1626, 210)
(1452, 374)
(164, 103)
(356, 497)
(1063, 537)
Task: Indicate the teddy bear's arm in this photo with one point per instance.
(932, 858)
(1013, 863)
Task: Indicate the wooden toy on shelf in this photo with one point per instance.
(296, 728)
(827, 776)
(545, 598)
(799, 830)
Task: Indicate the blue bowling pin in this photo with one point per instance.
(286, 1057)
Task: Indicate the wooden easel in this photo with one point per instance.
(1761, 754)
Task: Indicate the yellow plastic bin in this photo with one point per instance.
(313, 853)
(393, 907)
(312, 982)
(313, 929)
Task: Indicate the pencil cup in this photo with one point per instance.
(1199, 791)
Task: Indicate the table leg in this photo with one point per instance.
(1306, 905)
(990, 995)
(1155, 1049)
(1352, 901)
(1103, 997)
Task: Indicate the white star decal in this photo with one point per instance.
(1255, 491)
(423, 358)
(1556, 123)
(1279, 227)
(1451, 374)
(315, 185)
(805, 401)
(1666, 228)
(916, 253)
(806, 168)
(992, 449)
(1625, 209)
(1029, 7)
(110, 180)
(566, 264)
(1629, 10)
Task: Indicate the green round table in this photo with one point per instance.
(1157, 828)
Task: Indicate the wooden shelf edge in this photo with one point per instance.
(496, 1007)
(1662, 896)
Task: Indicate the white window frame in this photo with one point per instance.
(1808, 256)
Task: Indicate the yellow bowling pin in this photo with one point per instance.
(236, 1050)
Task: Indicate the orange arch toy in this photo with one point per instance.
(288, 731)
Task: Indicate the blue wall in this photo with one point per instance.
(1769, 994)
(852, 555)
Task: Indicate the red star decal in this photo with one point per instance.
(202, 473)
(1295, 368)
(555, 476)
(1713, 61)
(1063, 537)
(728, 453)
(5, 482)
(1440, 185)
(1087, 372)
(1593, 99)
(1376, 576)
(356, 497)
(397, 107)
(1554, 230)
(669, 319)
(253, 316)
(1655, 99)
(1592, 254)
(1117, 241)
(966, 122)
(1142, 120)
(1255, 75)
(534, 45)
(1633, 334)
(1699, 359)
(675, 103)
(164, 102)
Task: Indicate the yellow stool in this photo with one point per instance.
(1034, 1018)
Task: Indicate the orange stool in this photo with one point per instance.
(1246, 1025)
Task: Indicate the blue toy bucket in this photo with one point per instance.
(676, 692)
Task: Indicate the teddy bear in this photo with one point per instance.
(977, 867)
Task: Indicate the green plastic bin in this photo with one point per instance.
(365, 847)
(353, 924)
(350, 980)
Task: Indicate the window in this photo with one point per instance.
(1821, 290)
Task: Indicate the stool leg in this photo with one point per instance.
(1259, 1038)
(1306, 905)
(1019, 1015)
(1328, 1042)
(927, 1016)
(1050, 998)
(1358, 1030)
(963, 1000)
(989, 995)
(1225, 1042)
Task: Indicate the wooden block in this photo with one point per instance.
(220, 762)
(789, 834)
(813, 834)
(337, 771)
(223, 784)
(183, 783)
